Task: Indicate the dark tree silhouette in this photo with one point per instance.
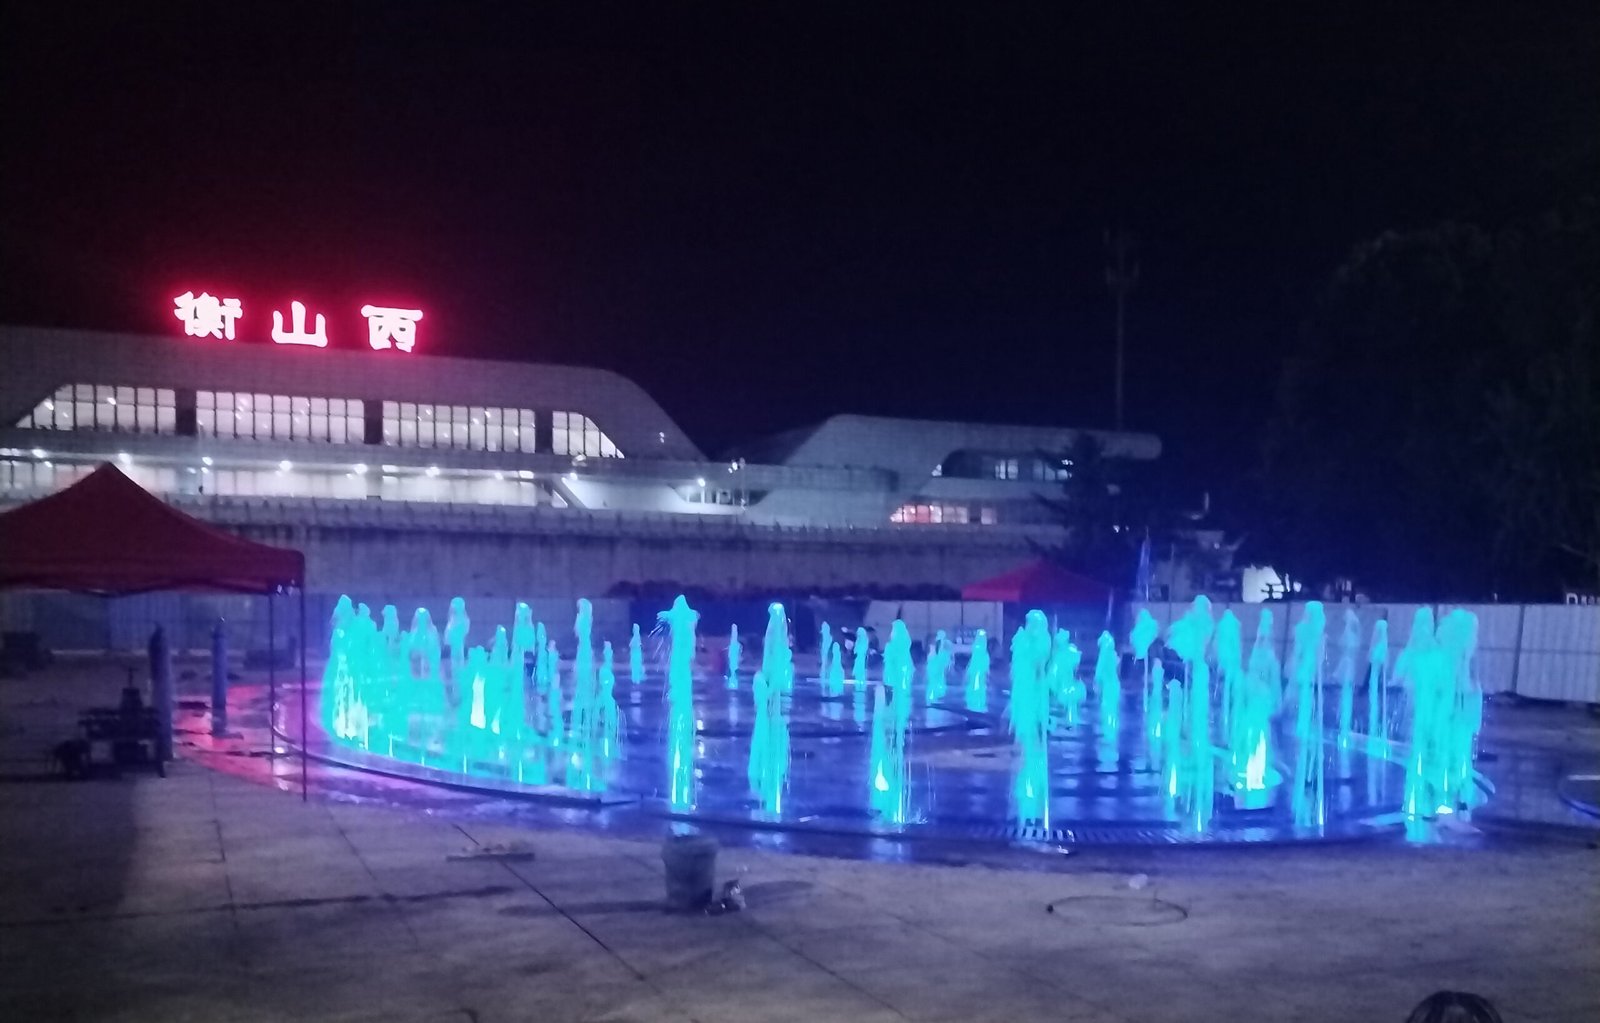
(1438, 423)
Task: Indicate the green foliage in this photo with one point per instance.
(1438, 424)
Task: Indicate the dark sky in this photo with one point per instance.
(769, 215)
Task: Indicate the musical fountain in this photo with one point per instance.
(1202, 743)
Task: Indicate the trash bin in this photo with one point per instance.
(691, 865)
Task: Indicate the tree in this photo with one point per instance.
(1435, 425)
(1107, 507)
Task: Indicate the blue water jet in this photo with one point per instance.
(680, 621)
(858, 668)
(1028, 716)
(887, 790)
(735, 651)
(976, 686)
(768, 769)
(936, 669)
(635, 656)
(1108, 685)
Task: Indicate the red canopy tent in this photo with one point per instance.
(108, 536)
(1039, 582)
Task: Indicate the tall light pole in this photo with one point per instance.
(1122, 273)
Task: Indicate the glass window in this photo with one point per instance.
(103, 407)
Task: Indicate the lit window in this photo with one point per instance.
(576, 434)
(105, 408)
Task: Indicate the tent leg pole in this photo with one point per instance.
(272, 676)
(305, 736)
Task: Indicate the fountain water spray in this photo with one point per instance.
(936, 669)
(496, 692)
(680, 620)
(1344, 674)
(835, 675)
(891, 719)
(585, 736)
(1446, 704)
(1255, 703)
(1378, 683)
(1305, 673)
(423, 657)
(456, 627)
(1458, 638)
(554, 701)
(336, 676)
(394, 665)
(768, 770)
(1145, 632)
(734, 652)
(635, 656)
(1028, 714)
(1109, 686)
(1065, 685)
(610, 718)
(976, 686)
(858, 667)
(1190, 638)
(1230, 665)
(523, 639)
(1155, 717)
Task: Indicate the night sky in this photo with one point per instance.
(767, 216)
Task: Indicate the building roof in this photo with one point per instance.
(38, 360)
(915, 446)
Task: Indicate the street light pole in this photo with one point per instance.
(1121, 276)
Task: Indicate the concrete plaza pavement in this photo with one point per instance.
(205, 896)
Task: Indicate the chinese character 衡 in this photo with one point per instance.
(204, 315)
(385, 325)
(298, 336)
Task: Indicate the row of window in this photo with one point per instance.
(935, 514)
(235, 415)
(575, 434)
(102, 407)
(975, 465)
(1036, 469)
(411, 424)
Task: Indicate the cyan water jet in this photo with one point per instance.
(976, 686)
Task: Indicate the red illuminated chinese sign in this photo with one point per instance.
(205, 315)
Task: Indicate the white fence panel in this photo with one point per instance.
(1560, 656)
(1498, 628)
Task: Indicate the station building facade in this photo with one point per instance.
(436, 474)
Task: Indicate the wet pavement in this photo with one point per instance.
(1103, 789)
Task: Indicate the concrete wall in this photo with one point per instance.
(513, 565)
